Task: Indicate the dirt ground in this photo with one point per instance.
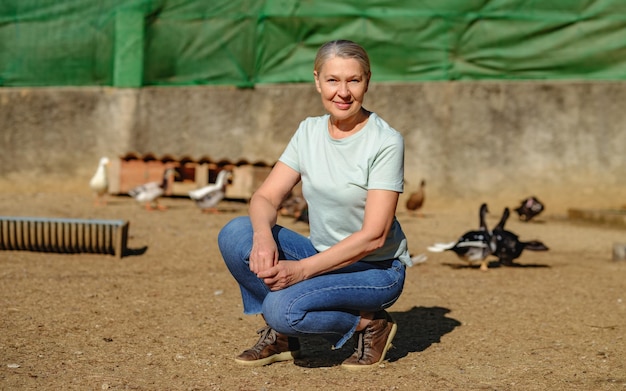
(169, 317)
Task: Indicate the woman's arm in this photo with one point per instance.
(263, 213)
(380, 209)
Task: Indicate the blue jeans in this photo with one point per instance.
(327, 305)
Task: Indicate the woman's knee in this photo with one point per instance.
(235, 240)
(234, 231)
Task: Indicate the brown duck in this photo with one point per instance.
(416, 199)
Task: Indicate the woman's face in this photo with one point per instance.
(342, 85)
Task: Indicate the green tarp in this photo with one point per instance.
(133, 43)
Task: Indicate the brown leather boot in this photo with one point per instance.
(271, 347)
(373, 342)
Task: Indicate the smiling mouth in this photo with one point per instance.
(343, 104)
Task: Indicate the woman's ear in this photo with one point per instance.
(316, 76)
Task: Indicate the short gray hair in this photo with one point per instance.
(344, 49)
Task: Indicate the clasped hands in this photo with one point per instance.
(276, 274)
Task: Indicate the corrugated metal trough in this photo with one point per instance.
(63, 235)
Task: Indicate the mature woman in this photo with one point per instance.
(337, 282)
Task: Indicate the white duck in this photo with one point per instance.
(149, 193)
(99, 182)
(209, 196)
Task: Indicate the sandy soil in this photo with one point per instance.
(169, 317)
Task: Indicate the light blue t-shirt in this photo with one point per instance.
(336, 175)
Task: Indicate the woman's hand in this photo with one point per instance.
(264, 253)
(263, 214)
(282, 275)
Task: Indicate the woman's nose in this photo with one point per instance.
(343, 91)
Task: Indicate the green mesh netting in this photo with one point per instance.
(132, 43)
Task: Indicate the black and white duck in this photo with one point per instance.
(508, 246)
(529, 208)
(149, 193)
(472, 246)
(99, 182)
(207, 197)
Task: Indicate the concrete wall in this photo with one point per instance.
(563, 142)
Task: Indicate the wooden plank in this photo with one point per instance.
(613, 217)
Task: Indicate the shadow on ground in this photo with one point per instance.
(494, 265)
(418, 329)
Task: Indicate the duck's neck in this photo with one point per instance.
(220, 179)
(101, 170)
(165, 179)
